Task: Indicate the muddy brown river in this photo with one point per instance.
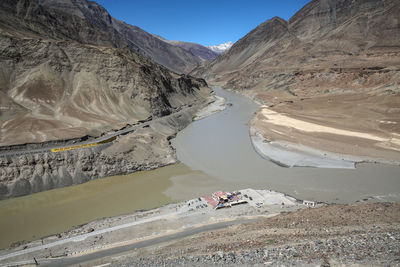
(216, 154)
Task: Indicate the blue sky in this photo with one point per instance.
(207, 22)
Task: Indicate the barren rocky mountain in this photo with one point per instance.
(58, 82)
(60, 18)
(335, 63)
(68, 72)
(174, 57)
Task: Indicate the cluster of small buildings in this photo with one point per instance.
(255, 198)
(220, 199)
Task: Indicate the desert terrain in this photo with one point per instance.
(334, 65)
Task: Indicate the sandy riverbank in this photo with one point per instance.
(216, 105)
(291, 155)
(291, 141)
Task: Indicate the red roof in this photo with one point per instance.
(210, 200)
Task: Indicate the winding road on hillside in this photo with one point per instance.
(102, 140)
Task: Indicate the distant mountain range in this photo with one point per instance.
(201, 52)
(220, 48)
(323, 34)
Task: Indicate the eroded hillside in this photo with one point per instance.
(68, 77)
(334, 63)
(57, 82)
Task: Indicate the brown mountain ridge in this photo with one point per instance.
(69, 69)
(334, 63)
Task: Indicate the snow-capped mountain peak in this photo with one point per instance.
(220, 48)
